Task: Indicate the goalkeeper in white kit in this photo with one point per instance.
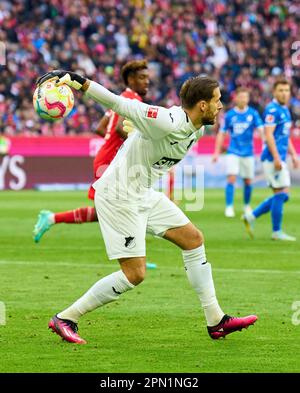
(128, 207)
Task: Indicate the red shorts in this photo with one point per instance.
(99, 169)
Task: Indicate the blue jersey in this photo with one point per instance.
(279, 116)
(240, 125)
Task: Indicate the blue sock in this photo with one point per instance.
(264, 207)
(247, 193)
(277, 210)
(229, 194)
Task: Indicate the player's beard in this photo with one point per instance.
(208, 119)
(282, 102)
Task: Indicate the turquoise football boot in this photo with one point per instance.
(43, 225)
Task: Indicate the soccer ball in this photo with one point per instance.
(53, 102)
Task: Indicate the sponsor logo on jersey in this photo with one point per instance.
(152, 112)
(129, 242)
(240, 128)
(165, 162)
(270, 118)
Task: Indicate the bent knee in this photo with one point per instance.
(196, 239)
(231, 179)
(135, 276)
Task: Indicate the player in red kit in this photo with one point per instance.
(136, 79)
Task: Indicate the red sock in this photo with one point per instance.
(171, 185)
(77, 216)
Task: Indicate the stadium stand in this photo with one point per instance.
(232, 40)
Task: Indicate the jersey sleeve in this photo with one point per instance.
(270, 116)
(154, 122)
(258, 123)
(225, 124)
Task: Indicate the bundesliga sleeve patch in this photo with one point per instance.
(270, 119)
(152, 112)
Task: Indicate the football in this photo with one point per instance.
(53, 102)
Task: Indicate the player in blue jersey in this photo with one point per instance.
(240, 122)
(277, 120)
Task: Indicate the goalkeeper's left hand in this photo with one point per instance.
(128, 126)
(69, 78)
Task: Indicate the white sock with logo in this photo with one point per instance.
(199, 274)
(104, 291)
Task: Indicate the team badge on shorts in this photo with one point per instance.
(129, 242)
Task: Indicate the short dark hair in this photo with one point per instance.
(131, 68)
(280, 81)
(196, 89)
(242, 89)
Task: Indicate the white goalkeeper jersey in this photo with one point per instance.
(161, 139)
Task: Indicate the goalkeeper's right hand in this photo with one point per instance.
(64, 77)
(128, 126)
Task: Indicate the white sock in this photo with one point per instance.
(199, 274)
(104, 291)
(51, 219)
(251, 216)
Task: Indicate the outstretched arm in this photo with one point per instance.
(153, 121)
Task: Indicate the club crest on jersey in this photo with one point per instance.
(270, 119)
(152, 112)
(165, 162)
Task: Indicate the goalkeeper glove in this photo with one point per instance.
(63, 77)
(128, 126)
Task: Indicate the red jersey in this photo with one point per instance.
(112, 143)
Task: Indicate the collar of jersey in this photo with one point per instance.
(192, 127)
(240, 110)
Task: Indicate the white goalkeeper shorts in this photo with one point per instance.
(277, 179)
(242, 166)
(124, 225)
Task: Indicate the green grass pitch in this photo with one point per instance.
(159, 326)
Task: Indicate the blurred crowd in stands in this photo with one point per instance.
(239, 42)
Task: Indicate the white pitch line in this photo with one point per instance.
(211, 249)
(245, 251)
(110, 265)
(51, 248)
